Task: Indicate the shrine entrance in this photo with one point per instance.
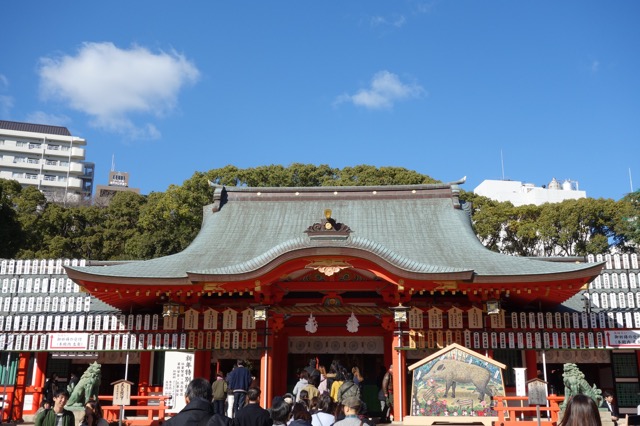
(367, 353)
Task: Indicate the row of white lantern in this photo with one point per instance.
(621, 300)
(211, 340)
(45, 304)
(20, 286)
(615, 280)
(615, 261)
(38, 266)
(235, 340)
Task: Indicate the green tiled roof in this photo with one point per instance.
(418, 229)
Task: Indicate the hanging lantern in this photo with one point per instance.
(312, 324)
(353, 324)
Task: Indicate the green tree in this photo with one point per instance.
(118, 227)
(521, 234)
(169, 221)
(628, 223)
(11, 233)
(489, 217)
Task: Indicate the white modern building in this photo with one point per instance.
(47, 157)
(519, 193)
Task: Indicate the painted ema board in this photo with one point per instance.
(454, 385)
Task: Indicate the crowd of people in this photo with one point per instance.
(320, 397)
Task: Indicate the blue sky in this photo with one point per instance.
(441, 87)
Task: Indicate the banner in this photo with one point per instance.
(178, 372)
(622, 338)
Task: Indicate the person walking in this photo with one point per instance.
(348, 389)
(57, 415)
(239, 381)
(198, 410)
(303, 381)
(253, 414)
(219, 390)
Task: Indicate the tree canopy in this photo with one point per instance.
(133, 226)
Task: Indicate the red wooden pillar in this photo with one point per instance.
(399, 378)
(144, 373)
(266, 385)
(202, 364)
(531, 362)
(279, 342)
(17, 401)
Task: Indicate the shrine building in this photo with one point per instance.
(331, 254)
(372, 276)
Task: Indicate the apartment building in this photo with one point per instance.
(47, 157)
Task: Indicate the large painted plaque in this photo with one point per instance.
(455, 382)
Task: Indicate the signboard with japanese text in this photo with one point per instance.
(68, 341)
(122, 392)
(622, 338)
(178, 372)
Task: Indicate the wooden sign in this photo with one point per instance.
(537, 390)
(122, 392)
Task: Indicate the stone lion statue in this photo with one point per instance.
(575, 383)
(87, 387)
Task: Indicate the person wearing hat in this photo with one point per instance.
(350, 407)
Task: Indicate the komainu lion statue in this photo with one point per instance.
(87, 387)
(575, 383)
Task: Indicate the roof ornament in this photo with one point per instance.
(328, 229)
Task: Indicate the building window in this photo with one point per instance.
(20, 160)
(625, 365)
(31, 176)
(64, 148)
(21, 176)
(21, 144)
(64, 163)
(50, 178)
(52, 163)
(53, 147)
(34, 146)
(32, 160)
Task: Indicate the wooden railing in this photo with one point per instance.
(509, 415)
(146, 415)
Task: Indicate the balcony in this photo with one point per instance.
(74, 184)
(63, 151)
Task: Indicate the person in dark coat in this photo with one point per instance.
(610, 405)
(50, 387)
(198, 410)
(239, 381)
(253, 414)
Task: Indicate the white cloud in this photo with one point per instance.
(394, 21)
(386, 89)
(112, 84)
(4, 82)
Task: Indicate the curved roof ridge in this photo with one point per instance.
(360, 243)
(350, 188)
